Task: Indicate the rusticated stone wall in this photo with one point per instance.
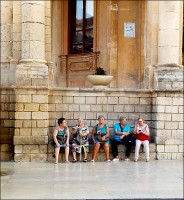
(31, 124)
(29, 114)
(7, 123)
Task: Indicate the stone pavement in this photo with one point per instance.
(99, 180)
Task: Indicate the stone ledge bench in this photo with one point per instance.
(101, 154)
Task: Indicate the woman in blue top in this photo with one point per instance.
(61, 138)
(121, 131)
(100, 135)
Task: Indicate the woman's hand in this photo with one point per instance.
(122, 136)
(57, 144)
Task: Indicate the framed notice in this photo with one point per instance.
(129, 29)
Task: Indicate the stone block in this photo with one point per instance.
(160, 148)
(114, 116)
(107, 108)
(5, 156)
(112, 100)
(23, 98)
(5, 147)
(18, 123)
(171, 125)
(30, 149)
(22, 115)
(17, 131)
(42, 123)
(79, 100)
(96, 108)
(124, 100)
(25, 131)
(39, 131)
(91, 115)
(179, 156)
(178, 101)
(164, 156)
(181, 125)
(39, 115)
(38, 157)
(162, 117)
(177, 134)
(73, 107)
(164, 101)
(19, 107)
(40, 98)
(78, 114)
(181, 109)
(43, 107)
(22, 158)
(102, 100)
(18, 149)
(68, 115)
(27, 123)
(145, 101)
(63, 107)
(177, 117)
(90, 100)
(140, 108)
(43, 149)
(52, 107)
(129, 108)
(68, 100)
(171, 148)
(171, 109)
(85, 108)
(134, 101)
(30, 140)
(118, 108)
(55, 99)
(31, 107)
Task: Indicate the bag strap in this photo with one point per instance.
(120, 127)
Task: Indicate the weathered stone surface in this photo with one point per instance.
(22, 158)
(18, 149)
(38, 157)
(30, 149)
(30, 140)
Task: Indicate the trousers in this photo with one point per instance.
(146, 148)
(115, 144)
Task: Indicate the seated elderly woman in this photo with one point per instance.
(100, 136)
(61, 139)
(80, 140)
(142, 133)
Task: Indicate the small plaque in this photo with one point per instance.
(129, 30)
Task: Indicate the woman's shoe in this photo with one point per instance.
(74, 160)
(85, 160)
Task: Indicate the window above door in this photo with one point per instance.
(81, 18)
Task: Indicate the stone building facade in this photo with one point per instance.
(42, 81)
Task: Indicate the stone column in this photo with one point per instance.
(169, 32)
(113, 40)
(32, 69)
(31, 87)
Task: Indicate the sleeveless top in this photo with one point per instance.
(103, 131)
(61, 135)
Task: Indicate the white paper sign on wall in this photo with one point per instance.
(129, 29)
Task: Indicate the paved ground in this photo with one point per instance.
(99, 180)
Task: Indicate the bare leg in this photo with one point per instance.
(96, 149)
(74, 154)
(106, 150)
(66, 153)
(57, 149)
(85, 155)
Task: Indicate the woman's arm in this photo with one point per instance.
(118, 133)
(92, 135)
(107, 132)
(147, 132)
(55, 137)
(68, 136)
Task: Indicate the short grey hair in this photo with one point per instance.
(100, 116)
(122, 118)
